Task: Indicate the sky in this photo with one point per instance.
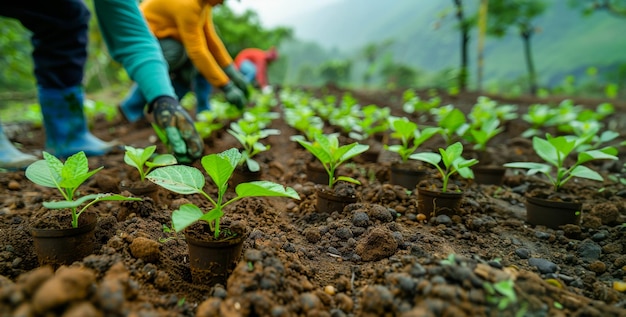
(274, 13)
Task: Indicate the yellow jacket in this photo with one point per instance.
(191, 23)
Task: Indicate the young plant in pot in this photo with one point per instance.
(335, 196)
(405, 172)
(369, 128)
(144, 161)
(554, 208)
(486, 172)
(62, 238)
(440, 198)
(213, 250)
(249, 134)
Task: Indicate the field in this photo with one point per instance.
(377, 257)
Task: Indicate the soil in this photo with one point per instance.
(378, 257)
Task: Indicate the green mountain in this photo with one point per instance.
(566, 42)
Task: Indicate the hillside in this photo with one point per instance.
(567, 42)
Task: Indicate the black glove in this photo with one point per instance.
(234, 95)
(182, 139)
(237, 78)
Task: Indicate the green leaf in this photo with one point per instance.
(220, 166)
(212, 215)
(585, 172)
(428, 157)
(354, 150)
(265, 188)
(546, 151)
(348, 179)
(180, 179)
(591, 155)
(162, 160)
(185, 216)
(40, 173)
(532, 167)
(451, 153)
(62, 204)
(253, 165)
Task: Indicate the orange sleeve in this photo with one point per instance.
(185, 20)
(215, 44)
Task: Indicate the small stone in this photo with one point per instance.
(598, 267)
(443, 220)
(145, 249)
(619, 286)
(522, 253)
(544, 266)
(330, 290)
(377, 245)
(13, 185)
(589, 250)
(69, 284)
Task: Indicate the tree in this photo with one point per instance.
(465, 25)
(16, 65)
(245, 30)
(335, 71)
(370, 53)
(614, 7)
(520, 14)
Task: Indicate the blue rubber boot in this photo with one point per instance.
(10, 157)
(133, 105)
(66, 126)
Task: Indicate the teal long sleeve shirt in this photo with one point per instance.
(131, 43)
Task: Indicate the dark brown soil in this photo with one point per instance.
(376, 258)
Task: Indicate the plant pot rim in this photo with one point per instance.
(327, 192)
(549, 202)
(207, 239)
(89, 222)
(430, 192)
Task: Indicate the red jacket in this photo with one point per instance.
(260, 59)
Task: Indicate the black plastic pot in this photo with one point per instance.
(211, 262)
(406, 175)
(328, 201)
(316, 173)
(489, 174)
(56, 247)
(552, 214)
(433, 202)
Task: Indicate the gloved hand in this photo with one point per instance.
(180, 133)
(237, 78)
(234, 95)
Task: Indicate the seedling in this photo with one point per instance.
(144, 162)
(452, 122)
(249, 134)
(452, 160)
(207, 122)
(372, 119)
(304, 120)
(186, 180)
(554, 151)
(589, 133)
(327, 150)
(539, 116)
(485, 132)
(67, 177)
(409, 135)
(501, 293)
(413, 103)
